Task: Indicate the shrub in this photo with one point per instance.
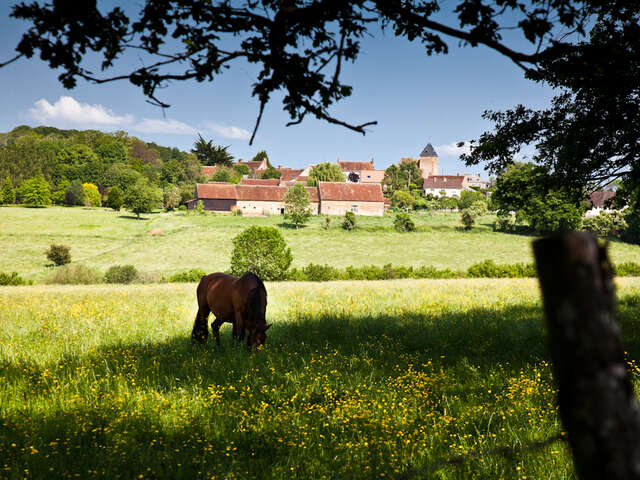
(469, 197)
(59, 254)
(402, 199)
(199, 208)
(12, 279)
(468, 218)
(505, 222)
(315, 273)
(236, 212)
(327, 222)
(403, 223)
(349, 222)
(479, 207)
(121, 274)
(261, 250)
(606, 224)
(74, 275)
(188, 276)
(489, 269)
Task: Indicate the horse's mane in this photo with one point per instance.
(253, 301)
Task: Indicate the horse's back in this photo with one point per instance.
(216, 291)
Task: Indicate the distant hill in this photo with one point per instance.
(104, 159)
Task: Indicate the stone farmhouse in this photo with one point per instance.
(451, 185)
(328, 198)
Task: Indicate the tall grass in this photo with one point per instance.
(357, 380)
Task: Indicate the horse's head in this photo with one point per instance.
(258, 336)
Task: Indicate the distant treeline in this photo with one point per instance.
(90, 156)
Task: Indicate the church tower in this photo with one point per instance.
(428, 161)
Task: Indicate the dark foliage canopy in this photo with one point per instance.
(300, 46)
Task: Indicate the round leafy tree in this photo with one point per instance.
(92, 197)
(74, 194)
(402, 199)
(7, 194)
(297, 205)
(325, 172)
(261, 250)
(59, 254)
(142, 197)
(271, 172)
(114, 199)
(35, 192)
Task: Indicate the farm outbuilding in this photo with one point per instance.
(337, 198)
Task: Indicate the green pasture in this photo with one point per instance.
(101, 238)
(358, 380)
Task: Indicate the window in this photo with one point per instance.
(354, 208)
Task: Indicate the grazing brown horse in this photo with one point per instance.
(240, 301)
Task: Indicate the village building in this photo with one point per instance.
(445, 185)
(273, 182)
(598, 203)
(427, 161)
(250, 199)
(475, 180)
(328, 198)
(290, 174)
(361, 172)
(337, 198)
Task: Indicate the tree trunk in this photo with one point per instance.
(598, 406)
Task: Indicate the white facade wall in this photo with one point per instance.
(259, 207)
(448, 192)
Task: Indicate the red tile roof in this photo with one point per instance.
(274, 182)
(444, 181)
(350, 192)
(289, 173)
(356, 166)
(598, 199)
(216, 190)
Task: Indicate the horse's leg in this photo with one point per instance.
(200, 330)
(215, 328)
(239, 326)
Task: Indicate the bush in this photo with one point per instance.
(489, 269)
(606, 224)
(403, 223)
(505, 222)
(74, 275)
(12, 279)
(402, 199)
(236, 212)
(59, 254)
(468, 218)
(261, 250)
(327, 222)
(315, 273)
(121, 274)
(349, 222)
(199, 208)
(188, 276)
(479, 207)
(35, 192)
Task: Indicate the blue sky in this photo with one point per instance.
(416, 100)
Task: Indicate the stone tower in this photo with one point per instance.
(428, 161)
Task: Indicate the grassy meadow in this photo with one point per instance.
(101, 238)
(357, 380)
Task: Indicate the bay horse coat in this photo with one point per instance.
(239, 301)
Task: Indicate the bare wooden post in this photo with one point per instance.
(598, 406)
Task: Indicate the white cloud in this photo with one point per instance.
(452, 149)
(68, 110)
(151, 125)
(226, 131)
